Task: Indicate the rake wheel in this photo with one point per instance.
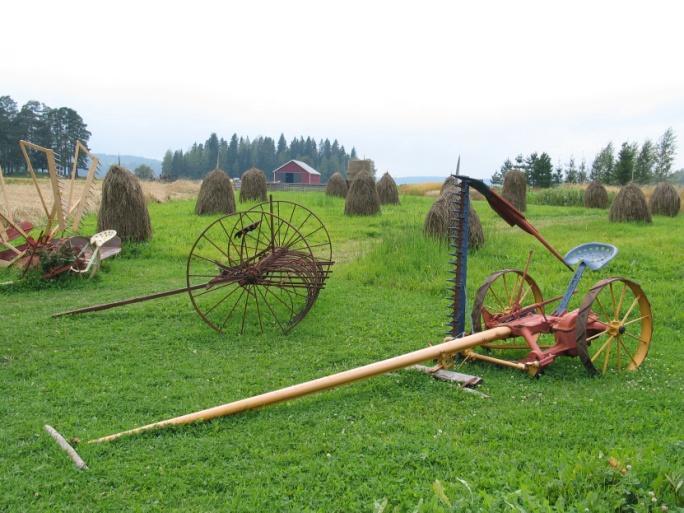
(305, 221)
(254, 269)
(614, 326)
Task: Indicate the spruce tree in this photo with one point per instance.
(541, 170)
(282, 154)
(167, 166)
(623, 171)
(529, 169)
(210, 155)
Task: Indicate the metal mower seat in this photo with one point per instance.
(594, 254)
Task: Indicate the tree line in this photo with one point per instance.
(55, 128)
(651, 162)
(238, 154)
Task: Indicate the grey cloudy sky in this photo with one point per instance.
(410, 84)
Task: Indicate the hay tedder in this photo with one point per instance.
(28, 244)
(611, 329)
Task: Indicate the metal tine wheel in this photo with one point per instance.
(253, 270)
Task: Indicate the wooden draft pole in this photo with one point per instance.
(130, 300)
(450, 347)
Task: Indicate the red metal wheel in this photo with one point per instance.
(503, 294)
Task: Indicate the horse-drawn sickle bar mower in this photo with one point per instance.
(611, 328)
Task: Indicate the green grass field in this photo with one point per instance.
(399, 442)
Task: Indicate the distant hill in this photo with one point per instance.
(127, 161)
(427, 179)
(418, 179)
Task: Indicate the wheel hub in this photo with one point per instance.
(615, 328)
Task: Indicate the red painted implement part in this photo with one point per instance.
(611, 329)
(27, 246)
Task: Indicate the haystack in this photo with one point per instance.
(665, 201)
(358, 166)
(595, 196)
(362, 198)
(629, 205)
(451, 181)
(515, 189)
(216, 195)
(387, 190)
(337, 186)
(437, 221)
(253, 185)
(123, 206)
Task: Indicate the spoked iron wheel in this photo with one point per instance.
(503, 295)
(253, 270)
(307, 224)
(614, 326)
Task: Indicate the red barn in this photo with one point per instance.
(296, 171)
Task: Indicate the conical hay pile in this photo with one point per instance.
(387, 190)
(629, 205)
(595, 196)
(337, 186)
(362, 198)
(253, 185)
(216, 194)
(451, 181)
(665, 201)
(515, 189)
(358, 166)
(437, 221)
(122, 207)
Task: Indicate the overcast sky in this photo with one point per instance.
(411, 85)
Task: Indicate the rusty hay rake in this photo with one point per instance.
(264, 267)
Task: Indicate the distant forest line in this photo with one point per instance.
(60, 128)
(55, 128)
(238, 154)
(649, 163)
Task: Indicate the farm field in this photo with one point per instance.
(398, 442)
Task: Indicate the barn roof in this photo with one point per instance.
(306, 167)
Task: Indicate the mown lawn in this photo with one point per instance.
(400, 442)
